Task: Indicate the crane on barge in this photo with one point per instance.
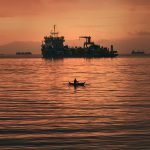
(87, 41)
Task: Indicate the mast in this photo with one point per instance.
(54, 33)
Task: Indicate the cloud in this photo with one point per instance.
(140, 33)
(135, 2)
(15, 8)
(144, 33)
(19, 8)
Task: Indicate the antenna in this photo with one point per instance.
(54, 33)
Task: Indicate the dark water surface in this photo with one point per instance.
(39, 111)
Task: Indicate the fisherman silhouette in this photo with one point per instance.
(75, 81)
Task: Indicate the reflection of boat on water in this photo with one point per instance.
(77, 84)
(53, 47)
(137, 52)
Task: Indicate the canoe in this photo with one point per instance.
(77, 84)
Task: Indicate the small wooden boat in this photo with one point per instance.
(77, 84)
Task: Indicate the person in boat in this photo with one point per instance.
(75, 81)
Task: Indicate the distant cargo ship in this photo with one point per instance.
(137, 52)
(23, 53)
(53, 47)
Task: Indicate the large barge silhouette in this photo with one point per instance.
(53, 47)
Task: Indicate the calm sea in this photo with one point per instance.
(39, 111)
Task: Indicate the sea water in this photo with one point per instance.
(39, 111)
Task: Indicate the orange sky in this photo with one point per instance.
(118, 21)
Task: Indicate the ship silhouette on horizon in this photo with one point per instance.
(53, 47)
(138, 52)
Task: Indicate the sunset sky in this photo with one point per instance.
(124, 23)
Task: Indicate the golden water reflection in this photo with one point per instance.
(39, 110)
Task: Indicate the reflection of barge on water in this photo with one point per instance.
(53, 47)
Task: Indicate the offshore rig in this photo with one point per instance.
(53, 47)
